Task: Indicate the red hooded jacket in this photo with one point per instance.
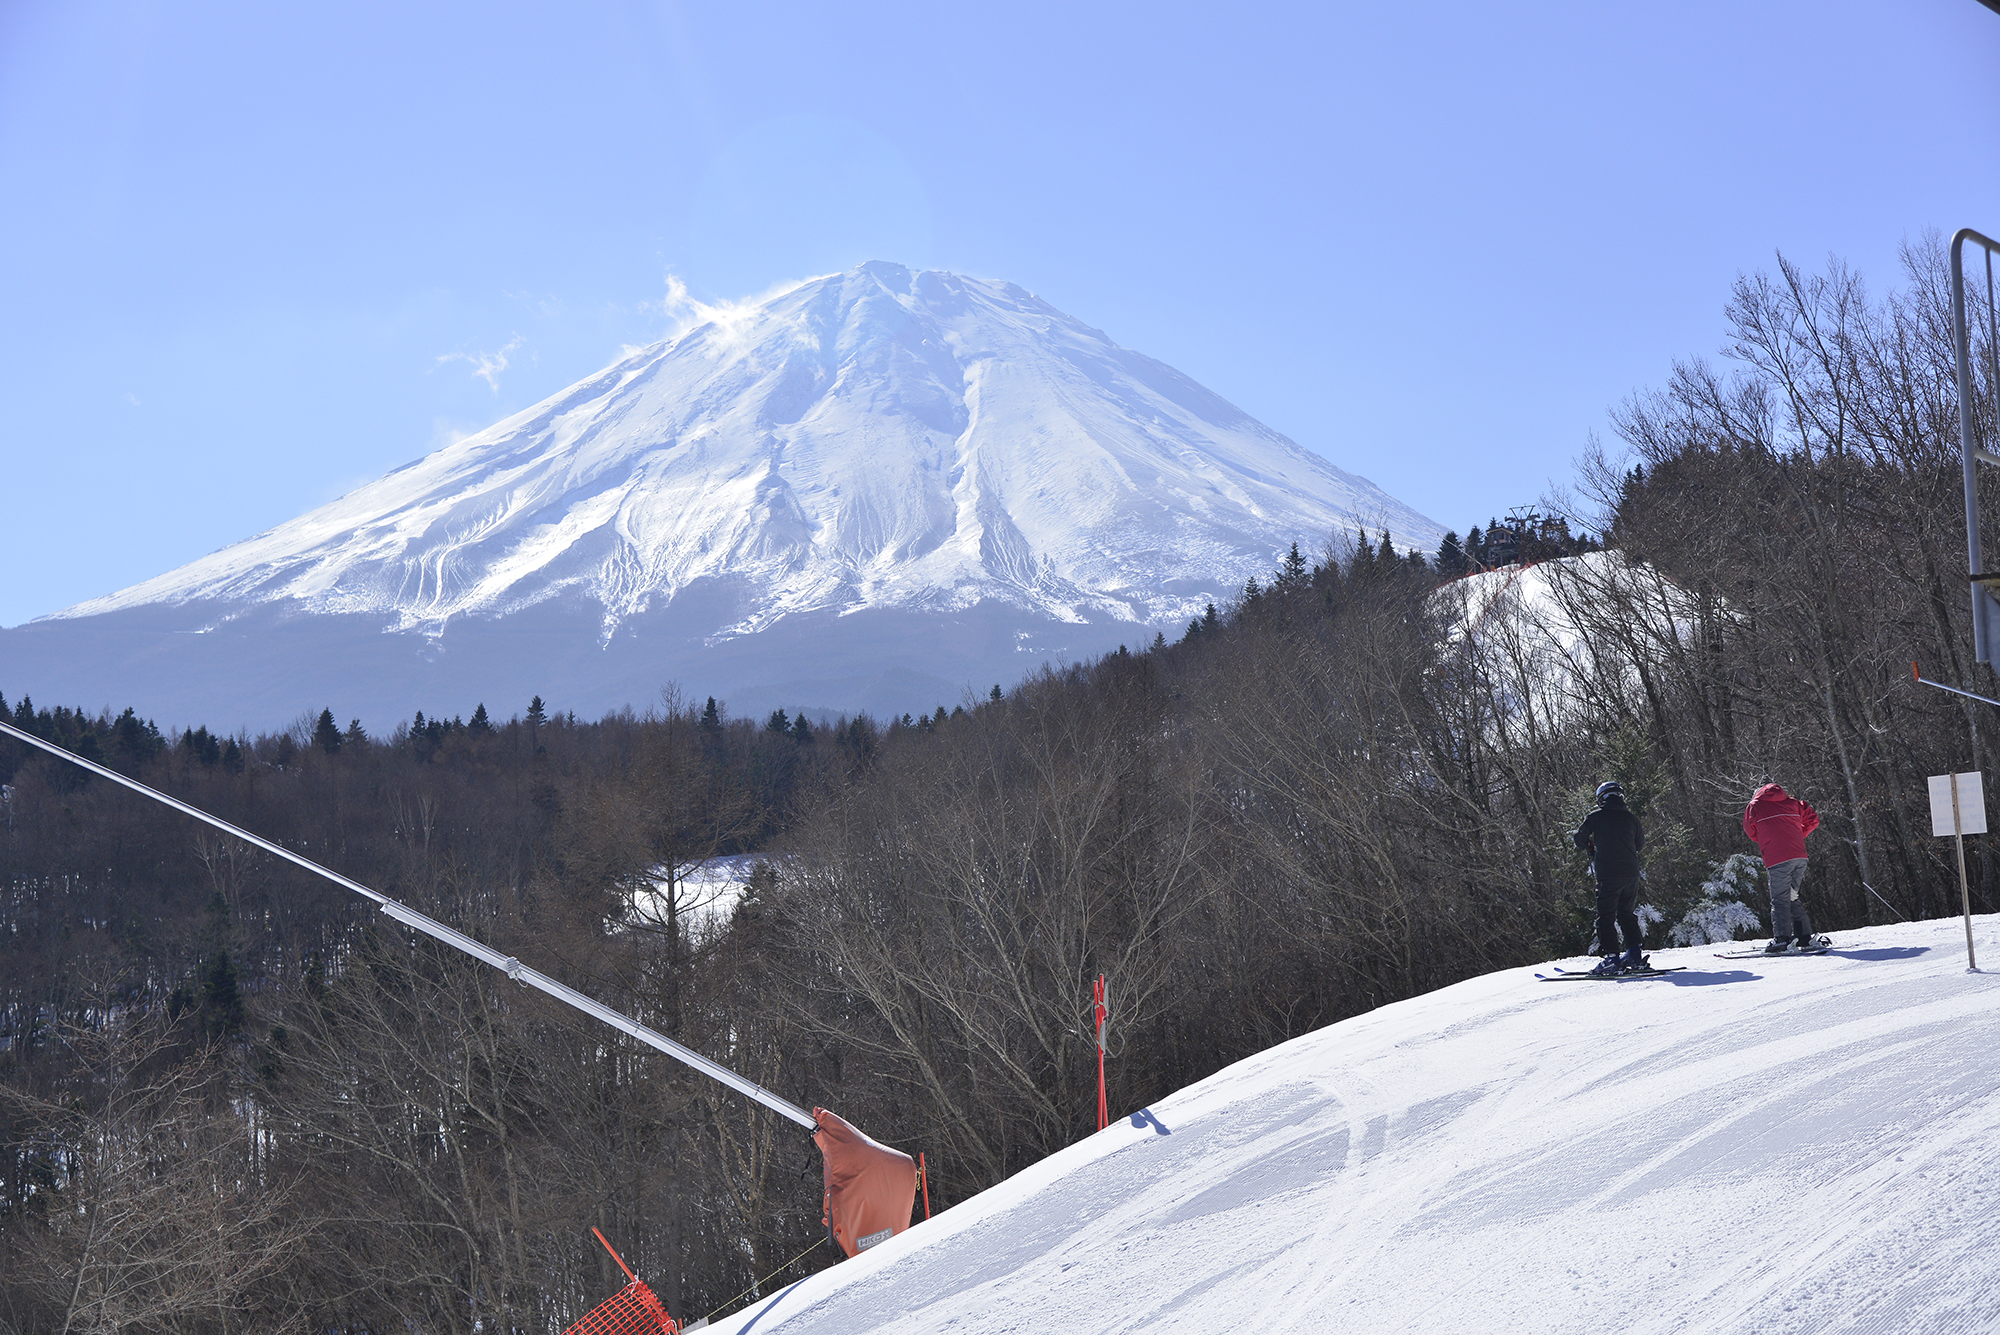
(1779, 823)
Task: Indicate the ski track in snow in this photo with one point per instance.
(1778, 1146)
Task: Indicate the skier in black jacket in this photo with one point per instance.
(1612, 836)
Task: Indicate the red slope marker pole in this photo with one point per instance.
(1103, 1108)
(616, 1257)
(924, 1176)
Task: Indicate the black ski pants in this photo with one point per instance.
(1617, 909)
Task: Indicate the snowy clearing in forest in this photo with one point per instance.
(1782, 1145)
(1552, 633)
(705, 893)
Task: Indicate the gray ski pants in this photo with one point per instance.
(1788, 911)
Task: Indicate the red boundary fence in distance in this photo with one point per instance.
(633, 1310)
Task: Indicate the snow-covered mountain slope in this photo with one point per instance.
(876, 438)
(878, 441)
(1548, 635)
(1785, 1145)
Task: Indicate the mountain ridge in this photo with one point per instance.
(878, 441)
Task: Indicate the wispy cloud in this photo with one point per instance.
(486, 366)
(684, 311)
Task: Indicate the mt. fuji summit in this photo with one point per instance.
(875, 490)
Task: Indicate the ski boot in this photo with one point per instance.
(1636, 963)
(1609, 965)
(1779, 945)
(1810, 942)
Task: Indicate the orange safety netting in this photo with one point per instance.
(633, 1310)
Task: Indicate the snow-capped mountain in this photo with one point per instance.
(915, 445)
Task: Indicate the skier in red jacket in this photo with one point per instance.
(1780, 823)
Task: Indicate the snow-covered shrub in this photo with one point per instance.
(1720, 913)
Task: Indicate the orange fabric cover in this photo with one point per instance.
(870, 1188)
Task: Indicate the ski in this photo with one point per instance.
(1761, 955)
(1592, 973)
(1567, 976)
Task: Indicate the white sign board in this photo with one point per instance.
(1971, 804)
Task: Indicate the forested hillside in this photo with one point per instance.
(233, 1098)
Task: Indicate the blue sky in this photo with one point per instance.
(255, 255)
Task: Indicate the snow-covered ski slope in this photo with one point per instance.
(1802, 1144)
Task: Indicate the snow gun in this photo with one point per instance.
(1922, 680)
(870, 1189)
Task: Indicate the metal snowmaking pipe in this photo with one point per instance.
(431, 927)
(1971, 455)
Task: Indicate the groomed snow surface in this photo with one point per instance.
(1794, 1144)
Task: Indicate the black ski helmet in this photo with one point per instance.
(1611, 789)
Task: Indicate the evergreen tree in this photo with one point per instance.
(84, 736)
(858, 737)
(326, 734)
(232, 757)
(1293, 574)
(354, 736)
(1252, 591)
(133, 739)
(711, 718)
(1451, 559)
(538, 712)
(423, 736)
(480, 723)
(221, 998)
(995, 696)
(1159, 640)
(1361, 565)
(778, 722)
(1210, 619)
(802, 731)
(1475, 548)
(201, 748)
